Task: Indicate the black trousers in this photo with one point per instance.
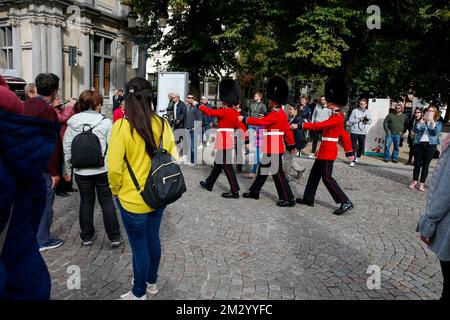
(88, 186)
(412, 148)
(423, 154)
(323, 169)
(358, 143)
(283, 189)
(445, 267)
(316, 136)
(224, 161)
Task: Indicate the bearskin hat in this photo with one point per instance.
(229, 92)
(336, 91)
(278, 90)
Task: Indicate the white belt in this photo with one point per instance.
(225, 130)
(274, 133)
(330, 139)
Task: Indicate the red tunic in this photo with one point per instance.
(227, 122)
(277, 131)
(333, 130)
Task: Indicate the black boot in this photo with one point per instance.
(205, 185)
(286, 203)
(250, 195)
(230, 195)
(344, 208)
(302, 201)
(62, 194)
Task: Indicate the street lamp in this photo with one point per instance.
(132, 20)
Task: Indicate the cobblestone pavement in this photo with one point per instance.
(245, 249)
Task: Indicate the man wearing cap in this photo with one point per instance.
(277, 131)
(227, 117)
(333, 131)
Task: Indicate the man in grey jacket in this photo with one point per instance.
(258, 108)
(192, 115)
(359, 120)
(434, 225)
(321, 113)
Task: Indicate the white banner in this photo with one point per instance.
(135, 57)
(379, 109)
(171, 82)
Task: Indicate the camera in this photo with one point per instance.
(366, 120)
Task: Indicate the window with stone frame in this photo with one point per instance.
(102, 64)
(6, 48)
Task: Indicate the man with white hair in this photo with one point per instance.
(30, 91)
(179, 109)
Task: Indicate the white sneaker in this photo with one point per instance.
(130, 296)
(312, 156)
(356, 160)
(152, 288)
(352, 164)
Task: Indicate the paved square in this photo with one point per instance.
(215, 248)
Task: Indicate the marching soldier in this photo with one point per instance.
(227, 122)
(277, 131)
(333, 131)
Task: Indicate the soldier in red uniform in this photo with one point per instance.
(277, 131)
(333, 131)
(227, 122)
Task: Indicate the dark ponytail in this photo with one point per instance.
(138, 102)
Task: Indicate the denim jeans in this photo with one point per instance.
(254, 132)
(43, 233)
(89, 186)
(143, 235)
(392, 138)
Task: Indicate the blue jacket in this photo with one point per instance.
(433, 133)
(26, 146)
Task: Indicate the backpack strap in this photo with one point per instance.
(130, 170)
(5, 230)
(133, 176)
(161, 142)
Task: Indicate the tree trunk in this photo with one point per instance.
(194, 87)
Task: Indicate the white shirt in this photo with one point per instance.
(426, 135)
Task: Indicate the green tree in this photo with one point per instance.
(311, 40)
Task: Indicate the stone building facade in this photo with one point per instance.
(35, 37)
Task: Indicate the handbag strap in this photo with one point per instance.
(5, 230)
(130, 170)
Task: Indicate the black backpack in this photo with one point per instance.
(87, 149)
(165, 182)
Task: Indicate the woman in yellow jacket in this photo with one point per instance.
(136, 137)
